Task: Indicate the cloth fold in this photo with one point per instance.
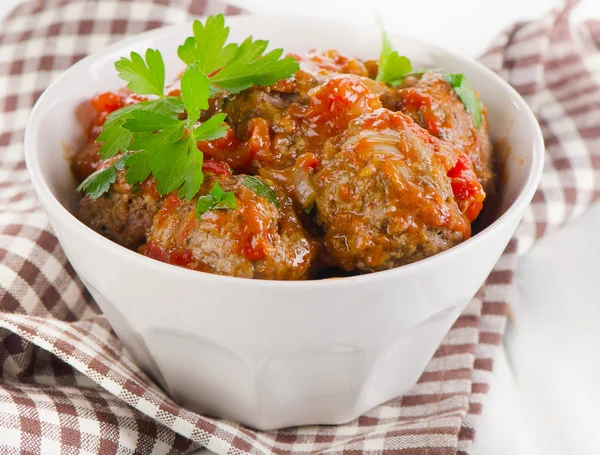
(66, 383)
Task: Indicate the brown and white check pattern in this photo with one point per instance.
(67, 385)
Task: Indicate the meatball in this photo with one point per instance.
(316, 68)
(255, 240)
(432, 103)
(268, 113)
(272, 103)
(124, 213)
(86, 161)
(304, 110)
(383, 195)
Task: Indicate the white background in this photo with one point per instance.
(545, 398)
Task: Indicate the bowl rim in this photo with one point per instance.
(49, 202)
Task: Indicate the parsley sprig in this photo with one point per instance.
(207, 46)
(165, 145)
(394, 68)
(100, 181)
(215, 199)
(144, 77)
(234, 67)
(159, 137)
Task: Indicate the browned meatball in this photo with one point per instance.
(291, 106)
(86, 161)
(123, 214)
(260, 108)
(431, 102)
(383, 195)
(256, 240)
(271, 103)
(316, 68)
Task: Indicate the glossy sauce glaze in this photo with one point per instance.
(367, 177)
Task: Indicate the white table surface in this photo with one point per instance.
(544, 397)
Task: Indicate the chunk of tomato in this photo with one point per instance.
(466, 188)
(107, 102)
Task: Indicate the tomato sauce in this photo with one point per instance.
(333, 105)
(239, 155)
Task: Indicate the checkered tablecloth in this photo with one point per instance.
(66, 383)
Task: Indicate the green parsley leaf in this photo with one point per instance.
(169, 106)
(392, 66)
(195, 92)
(142, 121)
(467, 95)
(120, 115)
(455, 80)
(227, 201)
(212, 129)
(204, 204)
(207, 46)
(116, 139)
(250, 67)
(98, 183)
(145, 78)
(120, 163)
(216, 191)
(160, 140)
(169, 166)
(139, 167)
(209, 130)
(194, 176)
(148, 147)
(261, 188)
(215, 199)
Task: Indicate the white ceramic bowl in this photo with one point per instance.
(276, 354)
